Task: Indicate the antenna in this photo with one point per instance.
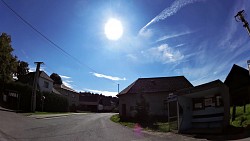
(240, 17)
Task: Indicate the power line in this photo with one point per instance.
(49, 40)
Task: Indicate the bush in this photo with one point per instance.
(52, 102)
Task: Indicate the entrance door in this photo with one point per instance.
(124, 110)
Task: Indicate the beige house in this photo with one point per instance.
(70, 94)
(204, 108)
(152, 91)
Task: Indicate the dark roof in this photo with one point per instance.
(158, 84)
(29, 78)
(201, 87)
(238, 72)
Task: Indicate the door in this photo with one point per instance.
(124, 110)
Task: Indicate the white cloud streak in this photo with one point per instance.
(174, 8)
(107, 76)
(173, 36)
(65, 77)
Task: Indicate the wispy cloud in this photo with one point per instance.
(164, 54)
(174, 8)
(106, 93)
(107, 76)
(66, 81)
(65, 77)
(173, 36)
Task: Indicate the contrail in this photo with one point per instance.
(175, 7)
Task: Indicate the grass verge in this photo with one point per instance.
(149, 126)
(45, 113)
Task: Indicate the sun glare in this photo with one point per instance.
(113, 29)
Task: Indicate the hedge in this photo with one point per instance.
(52, 102)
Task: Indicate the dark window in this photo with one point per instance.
(198, 103)
(219, 101)
(46, 84)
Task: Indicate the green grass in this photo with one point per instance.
(151, 126)
(242, 119)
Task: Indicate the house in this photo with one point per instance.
(238, 81)
(71, 95)
(151, 91)
(45, 83)
(96, 102)
(204, 108)
(89, 102)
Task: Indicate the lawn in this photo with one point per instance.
(242, 119)
(150, 126)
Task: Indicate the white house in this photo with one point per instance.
(44, 82)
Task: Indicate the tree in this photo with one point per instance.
(8, 62)
(22, 69)
(57, 79)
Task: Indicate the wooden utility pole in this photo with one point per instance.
(33, 96)
(240, 17)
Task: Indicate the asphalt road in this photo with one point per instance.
(76, 127)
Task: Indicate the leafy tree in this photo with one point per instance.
(8, 62)
(22, 69)
(57, 79)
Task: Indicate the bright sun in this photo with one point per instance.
(113, 29)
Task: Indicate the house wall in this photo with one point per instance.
(43, 87)
(155, 101)
(130, 102)
(73, 97)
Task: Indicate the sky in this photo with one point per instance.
(198, 39)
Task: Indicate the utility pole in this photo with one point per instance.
(118, 88)
(33, 98)
(240, 17)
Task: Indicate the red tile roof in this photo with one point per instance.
(158, 84)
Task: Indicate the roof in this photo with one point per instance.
(157, 84)
(29, 78)
(202, 87)
(64, 87)
(237, 71)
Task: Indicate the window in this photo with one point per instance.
(219, 101)
(46, 84)
(198, 103)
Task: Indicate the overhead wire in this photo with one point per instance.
(50, 41)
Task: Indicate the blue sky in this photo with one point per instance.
(199, 39)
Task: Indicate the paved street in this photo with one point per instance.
(75, 127)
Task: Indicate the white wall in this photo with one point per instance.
(41, 85)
